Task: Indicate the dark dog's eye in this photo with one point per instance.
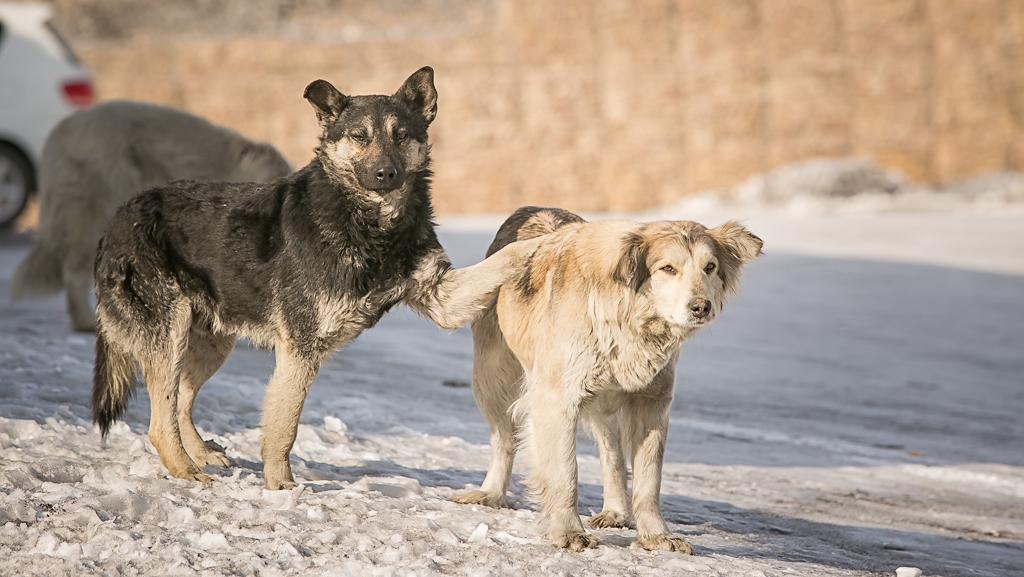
(709, 268)
(668, 269)
(359, 136)
(401, 135)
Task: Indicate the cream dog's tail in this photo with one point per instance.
(530, 222)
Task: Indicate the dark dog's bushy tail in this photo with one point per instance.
(113, 382)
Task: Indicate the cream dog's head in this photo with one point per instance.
(686, 269)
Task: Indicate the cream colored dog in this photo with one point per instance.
(591, 331)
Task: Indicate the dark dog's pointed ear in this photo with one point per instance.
(631, 270)
(739, 242)
(419, 95)
(326, 100)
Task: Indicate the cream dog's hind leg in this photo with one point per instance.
(496, 385)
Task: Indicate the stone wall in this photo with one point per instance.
(595, 105)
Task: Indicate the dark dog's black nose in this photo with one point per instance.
(386, 174)
(700, 308)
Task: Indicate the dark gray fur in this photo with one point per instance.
(255, 259)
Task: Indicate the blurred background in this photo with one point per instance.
(606, 105)
(857, 409)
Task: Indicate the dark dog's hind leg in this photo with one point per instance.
(162, 368)
(205, 354)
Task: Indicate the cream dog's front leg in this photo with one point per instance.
(452, 297)
(648, 431)
(553, 478)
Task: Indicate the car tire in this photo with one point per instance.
(16, 184)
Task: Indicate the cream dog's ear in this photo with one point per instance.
(631, 269)
(736, 246)
(739, 242)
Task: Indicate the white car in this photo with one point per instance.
(41, 82)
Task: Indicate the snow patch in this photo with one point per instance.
(393, 487)
(479, 534)
(211, 542)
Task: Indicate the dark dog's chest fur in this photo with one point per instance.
(302, 256)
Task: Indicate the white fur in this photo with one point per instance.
(573, 343)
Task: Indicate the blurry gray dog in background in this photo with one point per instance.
(97, 159)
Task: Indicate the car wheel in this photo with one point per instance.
(15, 185)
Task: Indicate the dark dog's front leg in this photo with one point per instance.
(453, 297)
(286, 393)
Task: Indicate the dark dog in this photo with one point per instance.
(303, 264)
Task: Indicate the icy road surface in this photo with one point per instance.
(854, 410)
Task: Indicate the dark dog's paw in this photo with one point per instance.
(480, 498)
(575, 542)
(211, 457)
(607, 520)
(664, 542)
(186, 470)
(194, 474)
(203, 478)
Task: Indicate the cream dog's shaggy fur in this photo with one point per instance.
(591, 332)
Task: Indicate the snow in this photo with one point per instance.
(856, 410)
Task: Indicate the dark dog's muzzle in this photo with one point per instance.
(386, 176)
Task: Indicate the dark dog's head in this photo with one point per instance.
(378, 143)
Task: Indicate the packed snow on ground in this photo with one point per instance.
(856, 409)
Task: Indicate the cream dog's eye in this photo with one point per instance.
(709, 268)
(668, 269)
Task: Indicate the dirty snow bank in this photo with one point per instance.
(859, 185)
(854, 208)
